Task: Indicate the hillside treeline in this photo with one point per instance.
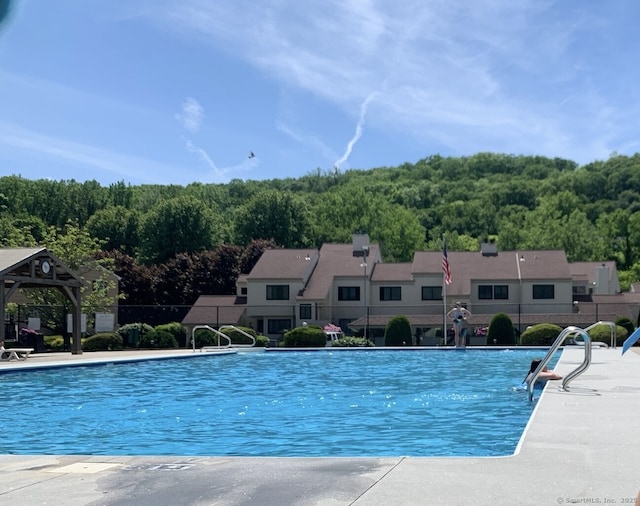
(520, 202)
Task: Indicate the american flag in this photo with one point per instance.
(445, 264)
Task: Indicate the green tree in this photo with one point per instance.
(19, 233)
(137, 281)
(117, 228)
(78, 251)
(179, 225)
(215, 272)
(279, 216)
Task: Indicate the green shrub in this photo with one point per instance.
(602, 333)
(158, 339)
(131, 333)
(352, 342)
(262, 342)
(542, 334)
(238, 337)
(205, 337)
(625, 322)
(398, 332)
(501, 332)
(107, 341)
(54, 343)
(305, 337)
(176, 329)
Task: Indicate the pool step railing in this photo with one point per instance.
(562, 337)
(221, 335)
(246, 334)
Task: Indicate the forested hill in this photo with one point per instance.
(528, 202)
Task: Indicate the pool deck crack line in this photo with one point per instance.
(28, 486)
(377, 481)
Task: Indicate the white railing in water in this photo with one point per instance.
(221, 335)
(246, 334)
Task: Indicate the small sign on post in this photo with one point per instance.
(83, 323)
(33, 323)
(105, 322)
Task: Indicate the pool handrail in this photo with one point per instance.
(613, 340)
(533, 377)
(585, 363)
(253, 339)
(208, 327)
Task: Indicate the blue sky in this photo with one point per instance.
(181, 91)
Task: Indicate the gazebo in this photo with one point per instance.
(39, 268)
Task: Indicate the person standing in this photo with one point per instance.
(459, 315)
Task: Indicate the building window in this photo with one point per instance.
(543, 291)
(277, 292)
(488, 292)
(243, 290)
(431, 293)
(305, 311)
(501, 292)
(485, 292)
(390, 293)
(278, 326)
(348, 293)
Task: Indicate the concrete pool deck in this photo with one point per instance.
(580, 447)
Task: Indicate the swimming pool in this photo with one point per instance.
(314, 403)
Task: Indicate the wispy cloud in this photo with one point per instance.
(191, 118)
(358, 132)
(191, 115)
(309, 140)
(465, 75)
(202, 154)
(127, 167)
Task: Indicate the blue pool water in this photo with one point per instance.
(323, 403)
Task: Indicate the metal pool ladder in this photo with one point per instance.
(566, 333)
(221, 336)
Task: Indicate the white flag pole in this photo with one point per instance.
(444, 313)
(444, 293)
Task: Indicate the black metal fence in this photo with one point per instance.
(373, 316)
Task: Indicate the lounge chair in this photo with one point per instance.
(15, 353)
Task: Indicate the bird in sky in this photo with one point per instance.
(251, 155)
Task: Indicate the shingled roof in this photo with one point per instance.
(216, 310)
(467, 266)
(337, 260)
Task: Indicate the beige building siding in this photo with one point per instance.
(316, 277)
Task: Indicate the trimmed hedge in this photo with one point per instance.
(305, 337)
(132, 333)
(238, 337)
(262, 342)
(602, 333)
(625, 322)
(204, 337)
(54, 343)
(542, 334)
(177, 330)
(107, 341)
(501, 331)
(158, 339)
(398, 332)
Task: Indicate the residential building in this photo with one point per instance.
(349, 285)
